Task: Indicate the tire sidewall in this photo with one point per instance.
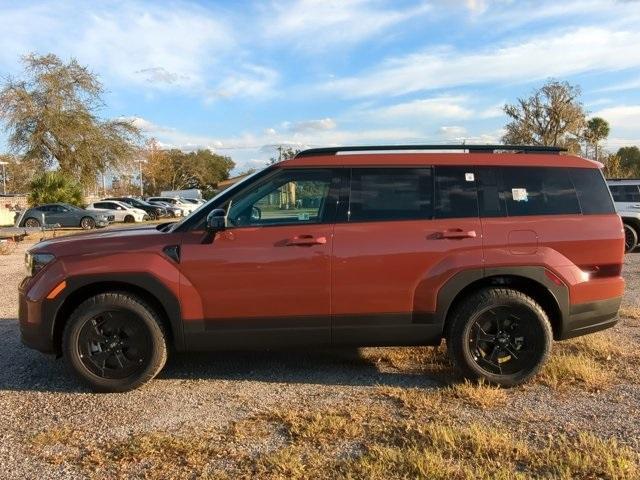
(463, 356)
(94, 306)
(629, 229)
(87, 223)
(31, 220)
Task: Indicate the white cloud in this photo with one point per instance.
(249, 81)
(554, 54)
(428, 109)
(622, 117)
(317, 24)
(452, 132)
(311, 125)
(617, 87)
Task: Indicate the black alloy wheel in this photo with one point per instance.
(114, 344)
(500, 335)
(504, 340)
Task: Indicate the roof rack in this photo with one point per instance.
(470, 148)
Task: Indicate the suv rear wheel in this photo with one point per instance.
(114, 342)
(630, 238)
(500, 335)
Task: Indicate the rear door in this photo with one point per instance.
(404, 232)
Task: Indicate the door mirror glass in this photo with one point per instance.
(216, 220)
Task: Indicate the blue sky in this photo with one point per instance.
(242, 76)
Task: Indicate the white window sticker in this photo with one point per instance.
(519, 195)
(469, 177)
(303, 217)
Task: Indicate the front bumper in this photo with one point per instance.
(35, 325)
(590, 317)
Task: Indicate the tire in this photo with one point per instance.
(129, 219)
(500, 335)
(87, 223)
(630, 238)
(121, 333)
(32, 222)
(152, 216)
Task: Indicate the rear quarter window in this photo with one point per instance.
(538, 191)
(592, 191)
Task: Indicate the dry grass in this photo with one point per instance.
(372, 441)
(629, 311)
(427, 360)
(437, 401)
(593, 362)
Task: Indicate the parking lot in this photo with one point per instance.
(278, 414)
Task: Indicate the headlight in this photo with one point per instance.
(34, 262)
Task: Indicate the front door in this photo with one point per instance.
(400, 243)
(265, 280)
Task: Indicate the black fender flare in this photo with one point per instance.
(144, 283)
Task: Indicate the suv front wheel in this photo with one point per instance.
(114, 342)
(500, 335)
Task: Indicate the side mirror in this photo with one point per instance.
(216, 222)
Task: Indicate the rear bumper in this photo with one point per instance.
(590, 317)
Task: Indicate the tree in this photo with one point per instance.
(552, 116)
(177, 170)
(630, 159)
(19, 173)
(51, 117)
(284, 153)
(596, 131)
(51, 187)
(613, 167)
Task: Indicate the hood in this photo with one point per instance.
(125, 239)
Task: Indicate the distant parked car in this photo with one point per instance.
(64, 215)
(176, 202)
(154, 211)
(171, 210)
(626, 195)
(193, 193)
(120, 210)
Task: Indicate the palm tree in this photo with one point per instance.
(596, 131)
(54, 186)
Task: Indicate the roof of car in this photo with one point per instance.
(439, 158)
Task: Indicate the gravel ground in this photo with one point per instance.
(37, 394)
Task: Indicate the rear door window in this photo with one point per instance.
(455, 192)
(379, 194)
(625, 193)
(538, 191)
(593, 194)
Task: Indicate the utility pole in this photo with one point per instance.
(140, 162)
(4, 177)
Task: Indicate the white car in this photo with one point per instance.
(626, 196)
(186, 207)
(120, 210)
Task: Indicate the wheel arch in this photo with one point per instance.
(145, 287)
(532, 281)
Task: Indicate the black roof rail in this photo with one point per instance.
(470, 148)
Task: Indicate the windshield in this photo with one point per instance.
(209, 202)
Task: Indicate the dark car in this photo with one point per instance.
(154, 211)
(63, 215)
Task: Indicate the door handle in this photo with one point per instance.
(457, 233)
(305, 240)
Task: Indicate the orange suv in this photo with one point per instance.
(498, 253)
